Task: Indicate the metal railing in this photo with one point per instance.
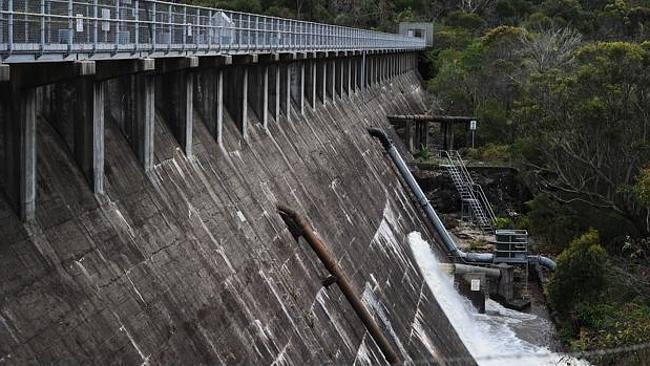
(95, 29)
(477, 188)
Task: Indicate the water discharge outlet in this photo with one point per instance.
(298, 227)
(423, 202)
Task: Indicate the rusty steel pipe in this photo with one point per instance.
(300, 227)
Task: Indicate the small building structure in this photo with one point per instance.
(418, 30)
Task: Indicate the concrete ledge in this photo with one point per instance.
(114, 69)
(245, 59)
(287, 56)
(209, 62)
(165, 65)
(146, 64)
(5, 72)
(85, 68)
(268, 57)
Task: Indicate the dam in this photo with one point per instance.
(144, 149)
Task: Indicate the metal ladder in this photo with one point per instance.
(471, 193)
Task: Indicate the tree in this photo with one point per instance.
(588, 129)
(551, 48)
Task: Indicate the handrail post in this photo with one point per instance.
(153, 26)
(42, 26)
(136, 30)
(170, 28)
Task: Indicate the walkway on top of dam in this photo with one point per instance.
(57, 30)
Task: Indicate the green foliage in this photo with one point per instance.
(522, 223)
(538, 21)
(502, 223)
(580, 274)
(423, 154)
(495, 152)
(470, 22)
(512, 11)
(451, 38)
(642, 187)
(626, 324)
(478, 244)
(604, 99)
(552, 223)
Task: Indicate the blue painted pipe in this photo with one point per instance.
(423, 202)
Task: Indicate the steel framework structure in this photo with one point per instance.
(52, 30)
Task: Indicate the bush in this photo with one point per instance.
(423, 154)
(580, 274)
(494, 152)
(502, 223)
(552, 223)
(469, 21)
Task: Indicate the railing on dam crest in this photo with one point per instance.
(65, 29)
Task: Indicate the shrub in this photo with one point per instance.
(494, 152)
(580, 274)
(423, 154)
(502, 223)
(469, 21)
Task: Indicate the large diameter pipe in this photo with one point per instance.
(544, 261)
(465, 269)
(301, 227)
(423, 201)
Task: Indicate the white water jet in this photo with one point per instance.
(487, 336)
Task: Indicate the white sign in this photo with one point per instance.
(106, 14)
(475, 285)
(80, 23)
(472, 125)
(189, 29)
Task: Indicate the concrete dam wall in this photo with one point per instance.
(190, 263)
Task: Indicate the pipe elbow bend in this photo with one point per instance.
(382, 136)
(544, 261)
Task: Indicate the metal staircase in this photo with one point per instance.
(472, 196)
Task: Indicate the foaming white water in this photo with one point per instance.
(487, 336)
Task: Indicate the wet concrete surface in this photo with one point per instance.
(190, 264)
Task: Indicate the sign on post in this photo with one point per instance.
(80, 23)
(106, 25)
(472, 127)
(475, 285)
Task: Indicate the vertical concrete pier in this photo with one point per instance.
(338, 82)
(348, 75)
(331, 79)
(208, 97)
(77, 114)
(236, 100)
(300, 75)
(130, 103)
(176, 97)
(321, 77)
(257, 93)
(310, 80)
(18, 119)
(285, 85)
(143, 121)
(89, 127)
(274, 91)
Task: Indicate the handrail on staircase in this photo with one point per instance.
(477, 187)
(474, 189)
